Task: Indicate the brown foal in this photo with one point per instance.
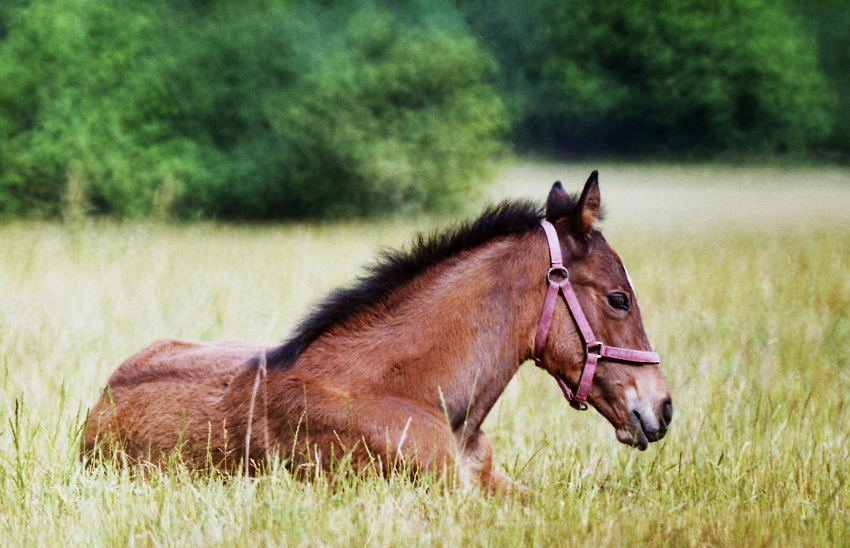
(401, 368)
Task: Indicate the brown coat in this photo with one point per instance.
(401, 368)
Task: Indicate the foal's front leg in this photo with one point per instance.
(400, 433)
(475, 467)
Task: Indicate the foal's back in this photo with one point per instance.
(170, 382)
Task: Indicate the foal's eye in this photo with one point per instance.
(618, 301)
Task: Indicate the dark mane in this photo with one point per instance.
(395, 268)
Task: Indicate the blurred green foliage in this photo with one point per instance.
(829, 20)
(646, 76)
(258, 110)
(299, 108)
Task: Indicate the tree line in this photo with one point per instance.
(268, 109)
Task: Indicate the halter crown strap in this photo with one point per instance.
(558, 278)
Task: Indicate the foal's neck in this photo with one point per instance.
(452, 339)
(483, 311)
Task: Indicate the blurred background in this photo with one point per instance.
(276, 109)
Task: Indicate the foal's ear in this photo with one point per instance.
(589, 205)
(559, 204)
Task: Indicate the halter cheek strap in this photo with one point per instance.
(558, 278)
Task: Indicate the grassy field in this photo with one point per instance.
(744, 281)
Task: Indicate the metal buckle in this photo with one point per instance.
(578, 406)
(597, 346)
(559, 270)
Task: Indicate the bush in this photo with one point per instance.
(72, 89)
(261, 110)
(296, 108)
(830, 21)
(679, 75)
(386, 116)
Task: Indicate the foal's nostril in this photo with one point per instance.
(667, 411)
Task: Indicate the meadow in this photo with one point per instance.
(743, 276)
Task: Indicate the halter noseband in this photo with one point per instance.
(558, 278)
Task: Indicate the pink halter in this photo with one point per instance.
(593, 349)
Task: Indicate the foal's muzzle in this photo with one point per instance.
(650, 424)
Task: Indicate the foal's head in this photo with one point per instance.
(635, 398)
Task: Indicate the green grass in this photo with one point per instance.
(745, 290)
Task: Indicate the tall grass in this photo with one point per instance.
(752, 321)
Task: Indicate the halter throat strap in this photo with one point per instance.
(558, 278)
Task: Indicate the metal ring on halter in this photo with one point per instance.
(596, 347)
(578, 406)
(560, 270)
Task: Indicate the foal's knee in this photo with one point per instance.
(476, 462)
(476, 469)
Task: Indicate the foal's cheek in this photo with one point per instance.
(611, 394)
